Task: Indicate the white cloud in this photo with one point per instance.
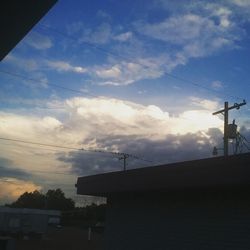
(103, 14)
(206, 104)
(22, 63)
(125, 73)
(62, 66)
(241, 3)
(113, 72)
(38, 41)
(12, 188)
(40, 80)
(30, 127)
(195, 29)
(112, 116)
(241, 9)
(101, 116)
(141, 92)
(123, 37)
(217, 85)
(193, 34)
(192, 30)
(177, 30)
(101, 35)
(139, 69)
(35, 78)
(89, 121)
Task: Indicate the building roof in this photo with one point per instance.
(17, 19)
(212, 173)
(11, 210)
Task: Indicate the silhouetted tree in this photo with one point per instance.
(30, 200)
(53, 199)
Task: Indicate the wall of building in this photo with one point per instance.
(22, 220)
(181, 220)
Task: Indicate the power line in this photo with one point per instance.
(105, 51)
(49, 84)
(44, 148)
(42, 171)
(87, 93)
(82, 42)
(225, 111)
(26, 103)
(110, 53)
(50, 172)
(117, 154)
(40, 144)
(27, 106)
(201, 86)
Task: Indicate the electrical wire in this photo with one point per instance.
(82, 42)
(43, 171)
(50, 172)
(32, 147)
(203, 87)
(49, 84)
(107, 52)
(40, 144)
(85, 93)
(117, 154)
(66, 88)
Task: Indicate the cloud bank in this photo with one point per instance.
(112, 125)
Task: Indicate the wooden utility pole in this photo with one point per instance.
(225, 112)
(124, 158)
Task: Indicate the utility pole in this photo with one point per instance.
(124, 158)
(225, 112)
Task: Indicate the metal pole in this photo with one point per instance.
(124, 162)
(226, 129)
(89, 233)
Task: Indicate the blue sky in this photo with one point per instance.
(141, 77)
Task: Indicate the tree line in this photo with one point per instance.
(55, 199)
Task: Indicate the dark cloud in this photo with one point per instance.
(245, 131)
(245, 139)
(89, 163)
(7, 170)
(172, 148)
(247, 122)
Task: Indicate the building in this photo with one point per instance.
(24, 221)
(17, 19)
(201, 204)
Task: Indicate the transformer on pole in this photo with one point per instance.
(228, 129)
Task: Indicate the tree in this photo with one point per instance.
(53, 199)
(30, 200)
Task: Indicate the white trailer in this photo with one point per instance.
(26, 221)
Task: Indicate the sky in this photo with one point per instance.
(136, 77)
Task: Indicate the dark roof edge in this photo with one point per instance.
(215, 172)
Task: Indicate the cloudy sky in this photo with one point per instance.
(139, 77)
